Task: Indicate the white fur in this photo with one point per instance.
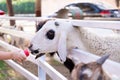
(101, 44)
(81, 38)
(88, 72)
(59, 44)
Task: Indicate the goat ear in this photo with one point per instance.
(40, 24)
(103, 59)
(62, 50)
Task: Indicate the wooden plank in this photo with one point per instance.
(102, 19)
(21, 70)
(81, 23)
(16, 33)
(23, 18)
(97, 24)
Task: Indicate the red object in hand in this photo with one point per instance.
(26, 52)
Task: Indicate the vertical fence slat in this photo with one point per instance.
(55, 75)
(41, 73)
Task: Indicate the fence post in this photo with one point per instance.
(41, 73)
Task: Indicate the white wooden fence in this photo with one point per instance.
(42, 64)
(110, 66)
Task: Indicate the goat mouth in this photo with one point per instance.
(39, 55)
(34, 52)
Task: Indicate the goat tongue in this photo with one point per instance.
(39, 55)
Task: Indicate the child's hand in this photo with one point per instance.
(16, 55)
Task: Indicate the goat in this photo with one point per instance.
(54, 37)
(61, 36)
(90, 71)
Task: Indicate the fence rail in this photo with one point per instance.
(82, 23)
(16, 33)
(22, 70)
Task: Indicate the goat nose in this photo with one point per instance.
(30, 46)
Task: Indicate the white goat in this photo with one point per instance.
(62, 36)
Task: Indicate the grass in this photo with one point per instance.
(3, 70)
(19, 6)
(7, 73)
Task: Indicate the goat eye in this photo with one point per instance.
(50, 34)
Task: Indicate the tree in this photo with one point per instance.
(38, 8)
(117, 3)
(10, 11)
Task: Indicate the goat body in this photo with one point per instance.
(101, 45)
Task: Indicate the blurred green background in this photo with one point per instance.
(19, 6)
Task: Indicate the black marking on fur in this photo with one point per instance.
(69, 64)
(76, 27)
(39, 55)
(40, 25)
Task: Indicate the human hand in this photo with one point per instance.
(18, 56)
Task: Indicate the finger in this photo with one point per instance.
(19, 61)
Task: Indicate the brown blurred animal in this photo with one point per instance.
(16, 41)
(19, 42)
(90, 71)
(66, 13)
